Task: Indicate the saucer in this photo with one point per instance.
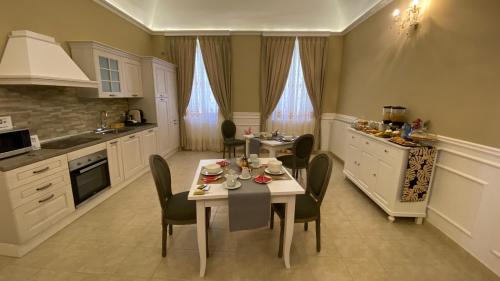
(245, 178)
(274, 173)
(206, 173)
(238, 185)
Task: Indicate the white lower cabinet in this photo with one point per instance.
(39, 214)
(149, 145)
(132, 154)
(33, 198)
(378, 167)
(115, 161)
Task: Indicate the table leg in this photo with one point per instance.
(201, 229)
(289, 221)
(247, 147)
(272, 152)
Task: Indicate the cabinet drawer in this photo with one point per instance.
(36, 171)
(388, 152)
(28, 192)
(353, 139)
(42, 212)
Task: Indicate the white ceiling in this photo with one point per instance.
(245, 15)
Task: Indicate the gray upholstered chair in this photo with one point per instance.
(176, 209)
(301, 152)
(228, 130)
(307, 206)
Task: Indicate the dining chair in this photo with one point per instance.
(229, 132)
(307, 206)
(301, 152)
(176, 209)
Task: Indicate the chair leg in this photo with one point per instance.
(170, 229)
(271, 219)
(164, 240)
(282, 234)
(234, 151)
(318, 235)
(306, 226)
(207, 217)
(206, 244)
(224, 152)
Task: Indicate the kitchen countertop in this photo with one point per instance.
(14, 162)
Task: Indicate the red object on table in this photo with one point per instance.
(223, 163)
(262, 179)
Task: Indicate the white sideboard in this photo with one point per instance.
(378, 168)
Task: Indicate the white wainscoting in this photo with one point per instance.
(245, 120)
(465, 192)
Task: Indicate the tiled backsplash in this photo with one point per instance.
(53, 112)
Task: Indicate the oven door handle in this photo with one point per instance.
(93, 166)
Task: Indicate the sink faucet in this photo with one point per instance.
(104, 119)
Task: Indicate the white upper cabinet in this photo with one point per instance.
(132, 78)
(117, 72)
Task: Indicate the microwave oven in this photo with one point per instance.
(14, 142)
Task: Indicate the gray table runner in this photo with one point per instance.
(249, 206)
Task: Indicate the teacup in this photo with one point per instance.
(274, 166)
(253, 156)
(245, 172)
(231, 179)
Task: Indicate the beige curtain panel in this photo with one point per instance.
(276, 57)
(216, 52)
(182, 52)
(313, 58)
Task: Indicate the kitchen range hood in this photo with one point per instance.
(31, 58)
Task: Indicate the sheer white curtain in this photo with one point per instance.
(202, 115)
(294, 114)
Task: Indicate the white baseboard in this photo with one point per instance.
(464, 195)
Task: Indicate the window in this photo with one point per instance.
(202, 115)
(294, 114)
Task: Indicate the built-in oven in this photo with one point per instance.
(14, 142)
(89, 175)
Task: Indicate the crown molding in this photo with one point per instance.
(370, 12)
(165, 32)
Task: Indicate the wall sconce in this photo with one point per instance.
(410, 19)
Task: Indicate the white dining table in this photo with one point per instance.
(270, 145)
(282, 191)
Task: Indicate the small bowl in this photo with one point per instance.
(212, 168)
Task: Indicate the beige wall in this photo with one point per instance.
(246, 73)
(448, 71)
(333, 72)
(72, 20)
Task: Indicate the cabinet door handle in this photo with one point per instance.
(386, 151)
(113, 142)
(375, 175)
(41, 170)
(135, 95)
(367, 142)
(150, 131)
(111, 95)
(131, 137)
(46, 199)
(44, 187)
(352, 137)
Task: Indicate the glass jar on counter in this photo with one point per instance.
(398, 115)
(386, 114)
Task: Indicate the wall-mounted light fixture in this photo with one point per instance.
(409, 19)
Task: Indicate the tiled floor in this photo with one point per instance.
(120, 240)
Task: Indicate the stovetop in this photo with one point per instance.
(68, 142)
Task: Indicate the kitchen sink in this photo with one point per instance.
(113, 131)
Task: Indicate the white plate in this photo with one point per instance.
(243, 178)
(238, 185)
(206, 173)
(274, 173)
